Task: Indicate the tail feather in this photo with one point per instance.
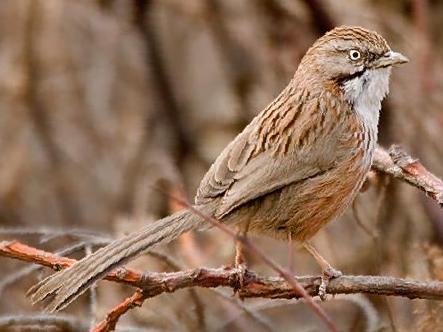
(65, 286)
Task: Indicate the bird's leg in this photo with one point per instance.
(240, 261)
(239, 254)
(328, 272)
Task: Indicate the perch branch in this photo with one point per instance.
(254, 285)
(252, 248)
(400, 165)
(394, 162)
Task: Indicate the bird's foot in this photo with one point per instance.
(242, 270)
(240, 265)
(327, 275)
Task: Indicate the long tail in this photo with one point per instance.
(65, 286)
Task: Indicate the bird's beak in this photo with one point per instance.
(390, 58)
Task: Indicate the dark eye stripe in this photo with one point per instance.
(342, 79)
(356, 74)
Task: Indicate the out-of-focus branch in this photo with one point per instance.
(163, 91)
(39, 116)
(42, 322)
(323, 19)
(254, 285)
(240, 72)
(400, 165)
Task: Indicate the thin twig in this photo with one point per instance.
(268, 261)
(108, 324)
(255, 285)
(251, 313)
(27, 270)
(199, 308)
(400, 165)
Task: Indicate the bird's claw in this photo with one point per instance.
(241, 272)
(328, 274)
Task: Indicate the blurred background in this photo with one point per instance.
(102, 99)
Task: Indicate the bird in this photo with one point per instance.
(295, 167)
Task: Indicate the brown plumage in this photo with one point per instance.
(295, 167)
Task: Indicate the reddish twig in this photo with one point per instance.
(108, 324)
(395, 163)
(155, 283)
(398, 164)
(273, 265)
(17, 250)
(253, 285)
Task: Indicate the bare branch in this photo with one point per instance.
(155, 283)
(286, 274)
(108, 324)
(398, 164)
(24, 272)
(395, 163)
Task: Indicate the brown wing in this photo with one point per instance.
(282, 145)
(221, 175)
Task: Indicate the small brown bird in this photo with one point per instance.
(295, 167)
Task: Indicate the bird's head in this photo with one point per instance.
(354, 59)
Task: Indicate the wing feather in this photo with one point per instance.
(250, 167)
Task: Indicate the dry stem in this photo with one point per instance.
(155, 283)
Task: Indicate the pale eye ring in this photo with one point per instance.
(354, 55)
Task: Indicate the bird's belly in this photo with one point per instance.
(304, 207)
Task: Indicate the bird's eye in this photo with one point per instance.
(354, 55)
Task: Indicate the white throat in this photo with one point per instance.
(366, 93)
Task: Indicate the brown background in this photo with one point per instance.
(102, 100)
